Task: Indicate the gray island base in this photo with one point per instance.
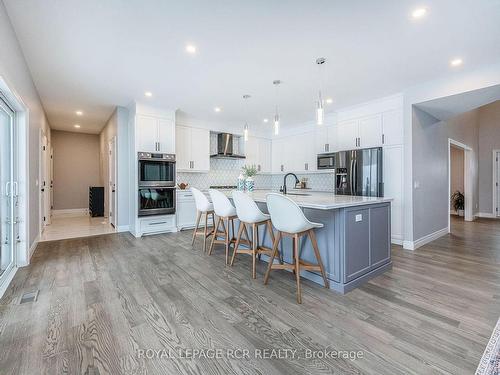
(355, 242)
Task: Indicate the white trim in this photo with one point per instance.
(397, 240)
(413, 245)
(122, 228)
(488, 215)
(71, 212)
(8, 279)
(495, 179)
(31, 250)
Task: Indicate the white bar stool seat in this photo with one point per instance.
(203, 207)
(249, 214)
(289, 220)
(226, 213)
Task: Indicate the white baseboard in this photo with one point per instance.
(123, 228)
(71, 212)
(413, 245)
(397, 241)
(32, 248)
(7, 281)
(486, 215)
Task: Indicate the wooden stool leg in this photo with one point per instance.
(255, 244)
(238, 239)
(198, 216)
(216, 228)
(314, 242)
(275, 250)
(227, 241)
(205, 231)
(297, 267)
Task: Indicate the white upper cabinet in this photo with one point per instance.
(370, 131)
(325, 139)
(147, 133)
(278, 146)
(183, 148)
(258, 153)
(193, 149)
(392, 128)
(155, 134)
(347, 135)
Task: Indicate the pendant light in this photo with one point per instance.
(245, 128)
(276, 83)
(320, 111)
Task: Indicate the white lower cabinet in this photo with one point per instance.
(186, 210)
(393, 188)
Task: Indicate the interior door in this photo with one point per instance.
(8, 189)
(112, 182)
(44, 187)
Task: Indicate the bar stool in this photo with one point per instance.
(203, 207)
(226, 213)
(249, 214)
(289, 220)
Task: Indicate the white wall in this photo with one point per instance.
(489, 139)
(14, 71)
(117, 125)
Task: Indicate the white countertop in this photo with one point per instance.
(318, 200)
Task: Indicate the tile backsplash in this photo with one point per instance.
(226, 172)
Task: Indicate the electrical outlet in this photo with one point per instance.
(359, 217)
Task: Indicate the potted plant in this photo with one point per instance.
(249, 171)
(458, 202)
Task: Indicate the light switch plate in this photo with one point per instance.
(359, 217)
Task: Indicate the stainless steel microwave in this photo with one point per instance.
(326, 161)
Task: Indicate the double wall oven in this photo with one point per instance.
(156, 174)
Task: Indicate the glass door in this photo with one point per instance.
(8, 190)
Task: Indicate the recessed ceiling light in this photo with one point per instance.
(266, 120)
(329, 101)
(191, 48)
(79, 113)
(419, 13)
(456, 62)
(76, 126)
(217, 109)
(149, 94)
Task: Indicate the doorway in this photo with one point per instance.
(112, 208)
(459, 179)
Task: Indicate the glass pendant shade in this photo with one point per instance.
(276, 124)
(320, 113)
(245, 132)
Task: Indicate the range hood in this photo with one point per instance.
(225, 147)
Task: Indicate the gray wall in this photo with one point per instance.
(489, 139)
(430, 167)
(456, 170)
(76, 167)
(14, 70)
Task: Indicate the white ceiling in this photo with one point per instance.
(93, 55)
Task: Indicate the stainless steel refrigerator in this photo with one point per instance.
(359, 172)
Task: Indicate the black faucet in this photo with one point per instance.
(284, 181)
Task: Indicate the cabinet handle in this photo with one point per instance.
(306, 166)
(258, 167)
(282, 168)
(159, 146)
(193, 163)
(327, 147)
(383, 138)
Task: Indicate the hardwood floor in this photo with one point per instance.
(104, 300)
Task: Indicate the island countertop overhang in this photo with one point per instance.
(320, 200)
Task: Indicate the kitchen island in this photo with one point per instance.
(355, 242)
